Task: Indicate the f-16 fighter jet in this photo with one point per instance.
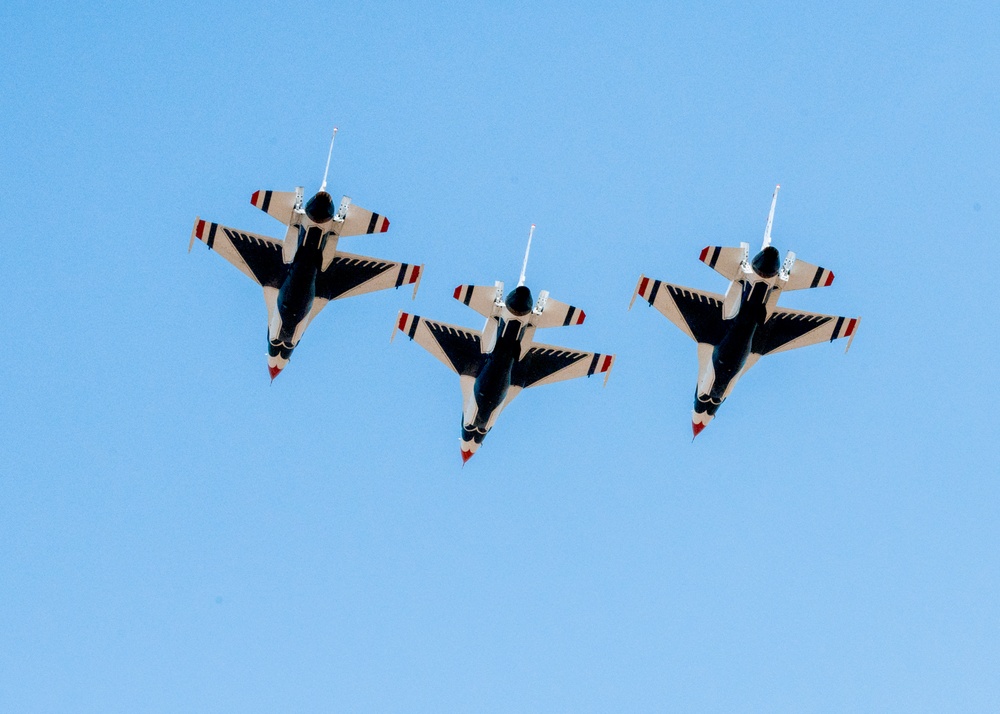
(495, 365)
(305, 271)
(735, 330)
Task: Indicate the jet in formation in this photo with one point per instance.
(303, 272)
(735, 330)
(493, 366)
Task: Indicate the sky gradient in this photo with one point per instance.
(176, 534)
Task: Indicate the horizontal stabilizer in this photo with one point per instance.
(725, 261)
(484, 299)
(359, 221)
(805, 275)
(278, 204)
(556, 314)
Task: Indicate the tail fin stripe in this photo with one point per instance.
(836, 329)
(715, 256)
(267, 201)
(652, 293)
(569, 317)
(819, 274)
(413, 326)
(593, 364)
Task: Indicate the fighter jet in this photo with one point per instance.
(495, 365)
(305, 271)
(735, 330)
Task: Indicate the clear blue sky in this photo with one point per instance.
(177, 535)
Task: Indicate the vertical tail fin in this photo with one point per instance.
(329, 154)
(524, 267)
(770, 219)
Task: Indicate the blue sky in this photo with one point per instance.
(178, 535)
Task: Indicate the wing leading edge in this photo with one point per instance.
(350, 275)
(789, 329)
(546, 364)
(258, 257)
(697, 313)
(456, 347)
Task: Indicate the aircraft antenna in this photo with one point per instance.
(328, 155)
(524, 267)
(770, 218)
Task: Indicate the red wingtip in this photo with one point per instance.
(274, 372)
(385, 226)
(253, 199)
(583, 316)
(696, 428)
(829, 279)
(466, 455)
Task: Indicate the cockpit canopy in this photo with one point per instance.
(766, 262)
(319, 208)
(519, 301)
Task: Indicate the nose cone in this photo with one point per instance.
(699, 420)
(519, 301)
(277, 361)
(319, 208)
(469, 448)
(766, 262)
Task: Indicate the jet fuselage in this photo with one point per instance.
(489, 392)
(298, 290)
(493, 380)
(730, 356)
